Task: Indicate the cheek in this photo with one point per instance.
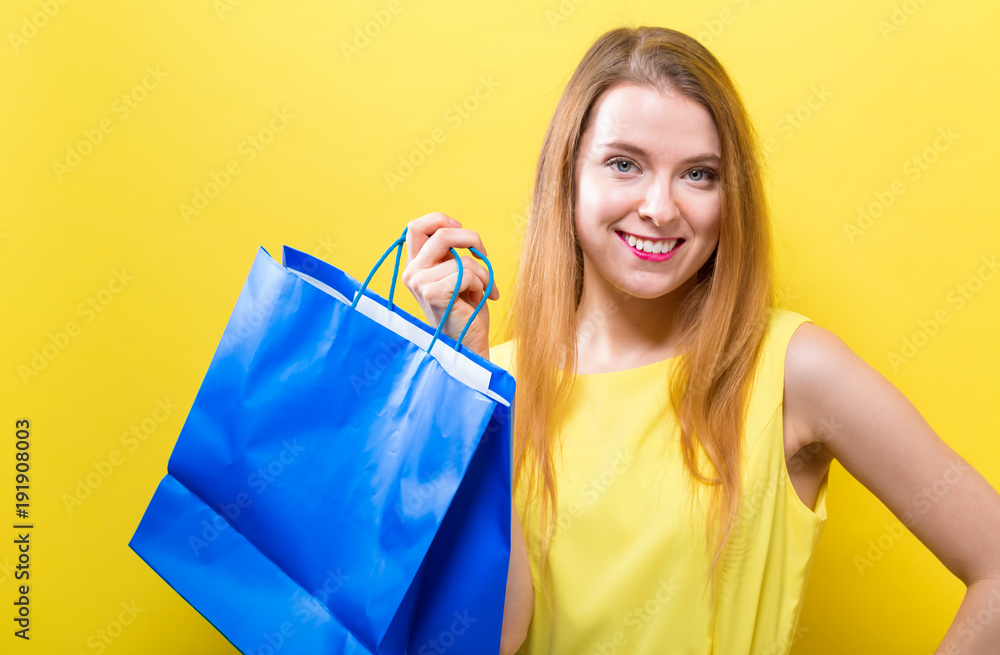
(704, 212)
(599, 201)
(590, 213)
(588, 205)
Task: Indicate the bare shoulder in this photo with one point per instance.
(828, 384)
(808, 358)
(813, 346)
(815, 359)
(837, 400)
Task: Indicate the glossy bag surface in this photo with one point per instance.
(338, 486)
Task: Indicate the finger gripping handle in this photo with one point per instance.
(398, 247)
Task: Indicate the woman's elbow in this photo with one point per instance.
(519, 601)
(515, 630)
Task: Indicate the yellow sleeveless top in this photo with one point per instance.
(628, 556)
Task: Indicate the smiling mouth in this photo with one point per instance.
(650, 246)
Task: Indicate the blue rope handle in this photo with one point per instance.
(398, 246)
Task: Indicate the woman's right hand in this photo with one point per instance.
(431, 272)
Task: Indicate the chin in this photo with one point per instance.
(647, 293)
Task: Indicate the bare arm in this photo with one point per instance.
(882, 440)
(430, 275)
(520, 600)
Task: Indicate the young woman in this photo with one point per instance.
(674, 429)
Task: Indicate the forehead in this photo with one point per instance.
(659, 121)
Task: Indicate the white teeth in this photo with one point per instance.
(652, 247)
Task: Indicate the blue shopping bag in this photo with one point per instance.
(342, 482)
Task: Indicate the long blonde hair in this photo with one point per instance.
(721, 322)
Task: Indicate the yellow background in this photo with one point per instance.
(871, 83)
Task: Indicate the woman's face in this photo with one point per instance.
(647, 180)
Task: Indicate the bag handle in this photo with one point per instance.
(398, 246)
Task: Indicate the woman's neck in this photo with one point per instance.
(617, 331)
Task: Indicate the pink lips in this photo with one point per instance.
(659, 257)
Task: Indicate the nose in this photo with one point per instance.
(657, 202)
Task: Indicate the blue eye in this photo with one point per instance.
(700, 174)
(618, 161)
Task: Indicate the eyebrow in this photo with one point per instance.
(640, 152)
